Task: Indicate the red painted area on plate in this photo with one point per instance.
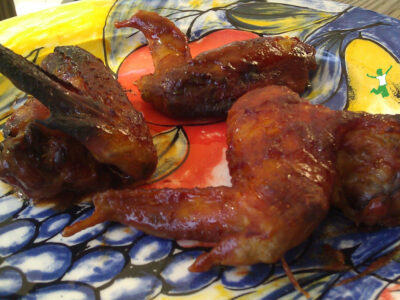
(391, 292)
(206, 153)
(205, 163)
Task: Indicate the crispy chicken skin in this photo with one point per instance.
(47, 163)
(83, 127)
(368, 165)
(208, 85)
(286, 158)
(281, 162)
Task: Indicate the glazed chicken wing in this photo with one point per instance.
(83, 125)
(281, 162)
(285, 160)
(207, 85)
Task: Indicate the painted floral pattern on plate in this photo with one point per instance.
(112, 261)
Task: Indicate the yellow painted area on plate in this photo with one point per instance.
(365, 57)
(267, 288)
(79, 23)
(264, 290)
(71, 24)
(195, 3)
(288, 23)
(219, 3)
(214, 291)
(200, 3)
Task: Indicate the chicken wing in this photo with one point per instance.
(85, 124)
(281, 159)
(208, 85)
(286, 158)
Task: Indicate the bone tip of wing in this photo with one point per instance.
(133, 21)
(93, 220)
(203, 263)
(124, 23)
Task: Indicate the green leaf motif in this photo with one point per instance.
(172, 149)
(277, 18)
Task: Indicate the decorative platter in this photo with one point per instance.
(112, 261)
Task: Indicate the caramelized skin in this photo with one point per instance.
(85, 117)
(209, 84)
(168, 45)
(287, 158)
(46, 163)
(368, 164)
(281, 158)
(96, 112)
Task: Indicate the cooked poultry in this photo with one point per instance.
(368, 165)
(282, 155)
(207, 85)
(85, 125)
(47, 163)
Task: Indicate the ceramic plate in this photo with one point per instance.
(111, 261)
